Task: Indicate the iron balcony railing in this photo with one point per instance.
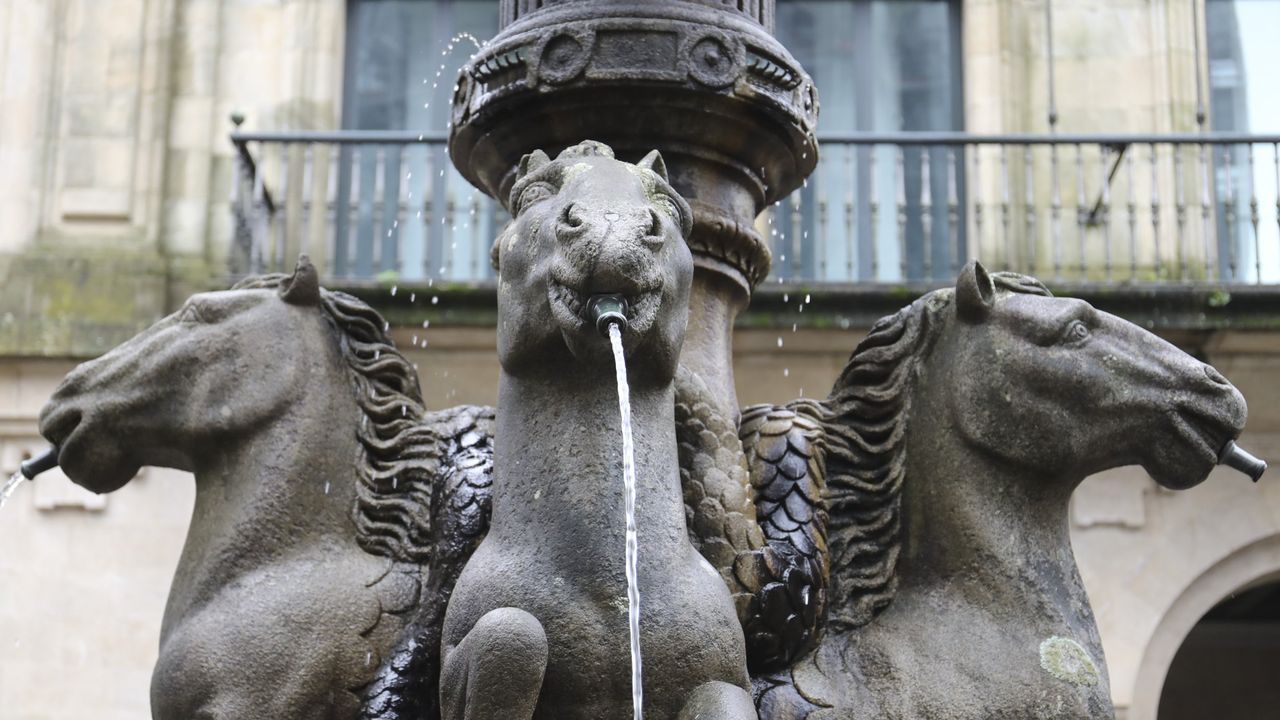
(880, 208)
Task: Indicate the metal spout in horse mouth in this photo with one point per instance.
(1234, 456)
(608, 309)
(47, 460)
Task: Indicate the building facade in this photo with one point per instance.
(1054, 139)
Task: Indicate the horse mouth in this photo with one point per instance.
(1204, 441)
(1199, 442)
(59, 427)
(569, 306)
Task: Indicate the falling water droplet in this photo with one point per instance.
(806, 298)
(786, 372)
(394, 289)
(326, 487)
(786, 297)
(779, 341)
(435, 299)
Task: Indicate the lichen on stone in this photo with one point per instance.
(1067, 660)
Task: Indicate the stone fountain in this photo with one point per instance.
(898, 550)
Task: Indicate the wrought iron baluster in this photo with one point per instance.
(280, 250)
(429, 266)
(1081, 213)
(260, 220)
(369, 257)
(242, 237)
(1253, 218)
(900, 181)
(305, 206)
(1180, 210)
(926, 212)
(874, 211)
(1055, 211)
(1004, 207)
(1229, 211)
(976, 189)
(953, 209)
(1105, 210)
(1132, 207)
(1029, 207)
(396, 246)
(1155, 211)
(1275, 162)
(822, 237)
(1206, 212)
(850, 226)
(331, 200)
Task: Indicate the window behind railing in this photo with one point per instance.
(900, 194)
(882, 66)
(1242, 56)
(408, 211)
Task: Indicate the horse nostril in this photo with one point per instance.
(1214, 375)
(570, 217)
(654, 234)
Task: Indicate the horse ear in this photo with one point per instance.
(653, 161)
(303, 287)
(531, 162)
(975, 293)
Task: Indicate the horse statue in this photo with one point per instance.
(537, 623)
(952, 442)
(354, 556)
(315, 470)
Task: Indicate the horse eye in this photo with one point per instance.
(537, 192)
(1076, 332)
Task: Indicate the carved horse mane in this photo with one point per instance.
(866, 453)
(399, 455)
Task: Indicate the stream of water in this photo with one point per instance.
(13, 483)
(629, 484)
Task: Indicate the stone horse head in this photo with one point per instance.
(1055, 385)
(586, 225)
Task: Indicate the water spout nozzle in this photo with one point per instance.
(1233, 455)
(606, 310)
(47, 460)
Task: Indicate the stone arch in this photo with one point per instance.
(1254, 564)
